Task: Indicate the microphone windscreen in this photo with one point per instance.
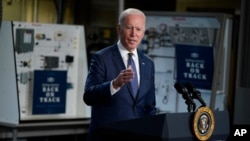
(190, 87)
(180, 88)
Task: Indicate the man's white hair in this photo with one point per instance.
(129, 11)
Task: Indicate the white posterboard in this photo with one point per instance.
(47, 64)
(166, 30)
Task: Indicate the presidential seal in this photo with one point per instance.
(203, 123)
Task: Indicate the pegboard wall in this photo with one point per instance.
(51, 66)
(185, 47)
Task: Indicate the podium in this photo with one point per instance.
(164, 127)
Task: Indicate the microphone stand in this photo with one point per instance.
(198, 96)
(191, 106)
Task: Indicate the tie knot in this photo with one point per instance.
(130, 54)
(130, 58)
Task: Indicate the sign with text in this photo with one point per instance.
(49, 92)
(195, 64)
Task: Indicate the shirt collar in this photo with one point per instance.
(124, 51)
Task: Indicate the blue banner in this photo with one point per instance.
(195, 64)
(49, 92)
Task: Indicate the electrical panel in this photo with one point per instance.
(51, 67)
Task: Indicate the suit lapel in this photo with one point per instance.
(117, 58)
(142, 73)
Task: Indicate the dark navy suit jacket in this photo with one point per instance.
(105, 65)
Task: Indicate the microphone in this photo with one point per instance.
(195, 93)
(185, 94)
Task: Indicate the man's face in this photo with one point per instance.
(132, 32)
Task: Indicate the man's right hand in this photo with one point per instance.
(123, 77)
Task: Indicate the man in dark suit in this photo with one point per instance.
(108, 88)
